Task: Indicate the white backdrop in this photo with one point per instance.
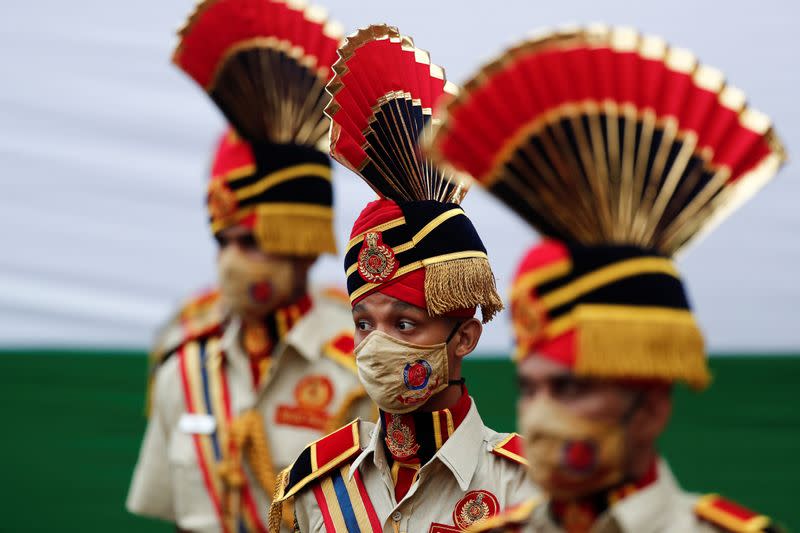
(105, 146)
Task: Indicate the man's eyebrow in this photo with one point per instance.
(359, 308)
(400, 305)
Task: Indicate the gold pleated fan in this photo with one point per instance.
(382, 95)
(602, 135)
(265, 63)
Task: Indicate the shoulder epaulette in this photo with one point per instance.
(340, 349)
(731, 516)
(511, 448)
(318, 459)
(510, 517)
(200, 316)
(337, 295)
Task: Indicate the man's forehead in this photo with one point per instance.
(378, 300)
(536, 366)
(237, 230)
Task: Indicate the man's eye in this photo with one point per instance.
(527, 389)
(569, 388)
(248, 242)
(362, 325)
(405, 325)
(221, 241)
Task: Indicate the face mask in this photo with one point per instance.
(571, 456)
(253, 287)
(400, 376)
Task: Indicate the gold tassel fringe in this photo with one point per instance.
(460, 284)
(640, 343)
(306, 234)
(276, 509)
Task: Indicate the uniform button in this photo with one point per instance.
(396, 516)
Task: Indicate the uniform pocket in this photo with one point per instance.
(194, 509)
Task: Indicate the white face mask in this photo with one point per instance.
(400, 376)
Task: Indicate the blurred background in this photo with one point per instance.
(105, 150)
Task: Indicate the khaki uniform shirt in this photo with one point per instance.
(445, 485)
(661, 507)
(167, 482)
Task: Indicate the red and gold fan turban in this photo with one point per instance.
(620, 150)
(265, 65)
(415, 242)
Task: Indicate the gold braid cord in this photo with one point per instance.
(277, 510)
(248, 436)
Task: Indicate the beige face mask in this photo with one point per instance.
(252, 287)
(400, 376)
(571, 456)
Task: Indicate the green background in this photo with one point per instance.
(73, 422)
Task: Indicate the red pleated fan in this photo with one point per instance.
(382, 95)
(265, 64)
(603, 135)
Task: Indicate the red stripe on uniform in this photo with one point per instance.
(377, 527)
(247, 495)
(445, 432)
(197, 446)
(322, 503)
(252, 510)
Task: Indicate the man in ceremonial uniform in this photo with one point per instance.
(618, 183)
(253, 372)
(416, 273)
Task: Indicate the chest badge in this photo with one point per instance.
(376, 261)
(313, 395)
(475, 506)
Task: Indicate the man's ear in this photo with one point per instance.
(654, 414)
(467, 337)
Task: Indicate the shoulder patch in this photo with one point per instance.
(731, 516)
(318, 459)
(511, 448)
(511, 517)
(340, 349)
(200, 316)
(336, 294)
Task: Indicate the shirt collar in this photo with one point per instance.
(645, 510)
(315, 326)
(459, 453)
(304, 336)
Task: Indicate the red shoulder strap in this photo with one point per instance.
(730, 515)
(320, 458)
(511, 448)
(340, 349)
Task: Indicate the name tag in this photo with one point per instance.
(197, 424)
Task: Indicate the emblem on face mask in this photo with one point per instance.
(222, 202)
(376, 261)
(261, 292)
(475, 506)
(417, 374)
(399, 438)
(579, 456)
